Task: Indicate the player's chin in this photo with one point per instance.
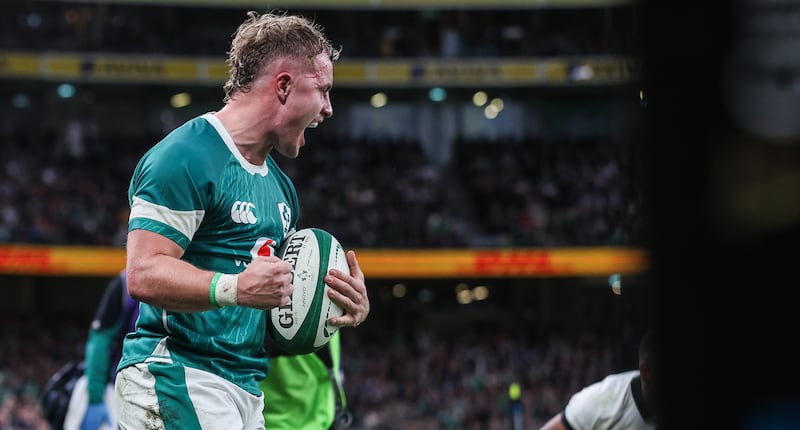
(292, 152)
(296, 148)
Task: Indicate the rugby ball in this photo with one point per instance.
(301, 326)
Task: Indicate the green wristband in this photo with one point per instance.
(212, 291)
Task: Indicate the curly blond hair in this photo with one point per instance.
(263, 38)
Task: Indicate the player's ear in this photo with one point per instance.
(645, 370)
(282, 86)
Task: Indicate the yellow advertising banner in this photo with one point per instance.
(60, 261)
(376, 263)
(486, 72)
(17, 64)
(501, 263)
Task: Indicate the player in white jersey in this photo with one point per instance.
(626, 400)
(209, 207)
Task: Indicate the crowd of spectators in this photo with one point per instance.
(370, 32)
(377, 194)
(434, 380)
(32, 349)
(461, 380)
(574, 192)
(51, 196)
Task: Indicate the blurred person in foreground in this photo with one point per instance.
(209, 207)
(626, 400)
(306, 391)
(91, 405)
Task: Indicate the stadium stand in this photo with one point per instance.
(563, 194)
(422, 31)
(553, 173)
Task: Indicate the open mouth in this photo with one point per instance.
(314, 124)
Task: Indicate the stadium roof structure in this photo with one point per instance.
(378, 4)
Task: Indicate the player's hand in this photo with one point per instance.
(265, 284)
(96, 416)
(349, 291)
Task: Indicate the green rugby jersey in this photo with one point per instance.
(195, 188)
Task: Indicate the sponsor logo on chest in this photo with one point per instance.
(243, 213)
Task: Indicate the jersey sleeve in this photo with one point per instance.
(584, 409)
(171, 189)
(600, 405)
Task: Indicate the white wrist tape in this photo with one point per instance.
(224, 290)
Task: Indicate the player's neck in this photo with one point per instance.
(248, 135)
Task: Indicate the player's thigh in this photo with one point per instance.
(218, 399)
(155, 395)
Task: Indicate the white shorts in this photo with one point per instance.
(173, 397)
(79, 401)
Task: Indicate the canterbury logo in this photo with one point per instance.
(242, 213)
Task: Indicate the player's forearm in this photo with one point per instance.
(169, 283)
(97, 361)
(555, 423)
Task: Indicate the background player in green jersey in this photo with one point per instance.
(209, 207)
(306, 391)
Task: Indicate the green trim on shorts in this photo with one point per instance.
(175, 407)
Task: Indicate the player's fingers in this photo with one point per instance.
(353, 306)
(355, 278)
(345, 321)
(283, 266)
(355, 268)
(356, 307)
(346, 285)
(340, 288)
(267, 258)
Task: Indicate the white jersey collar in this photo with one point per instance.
(226, 137)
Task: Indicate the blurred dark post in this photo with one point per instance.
(722, 80)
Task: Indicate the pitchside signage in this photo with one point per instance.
(379, 263)
(349, 73)
(111, 68)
